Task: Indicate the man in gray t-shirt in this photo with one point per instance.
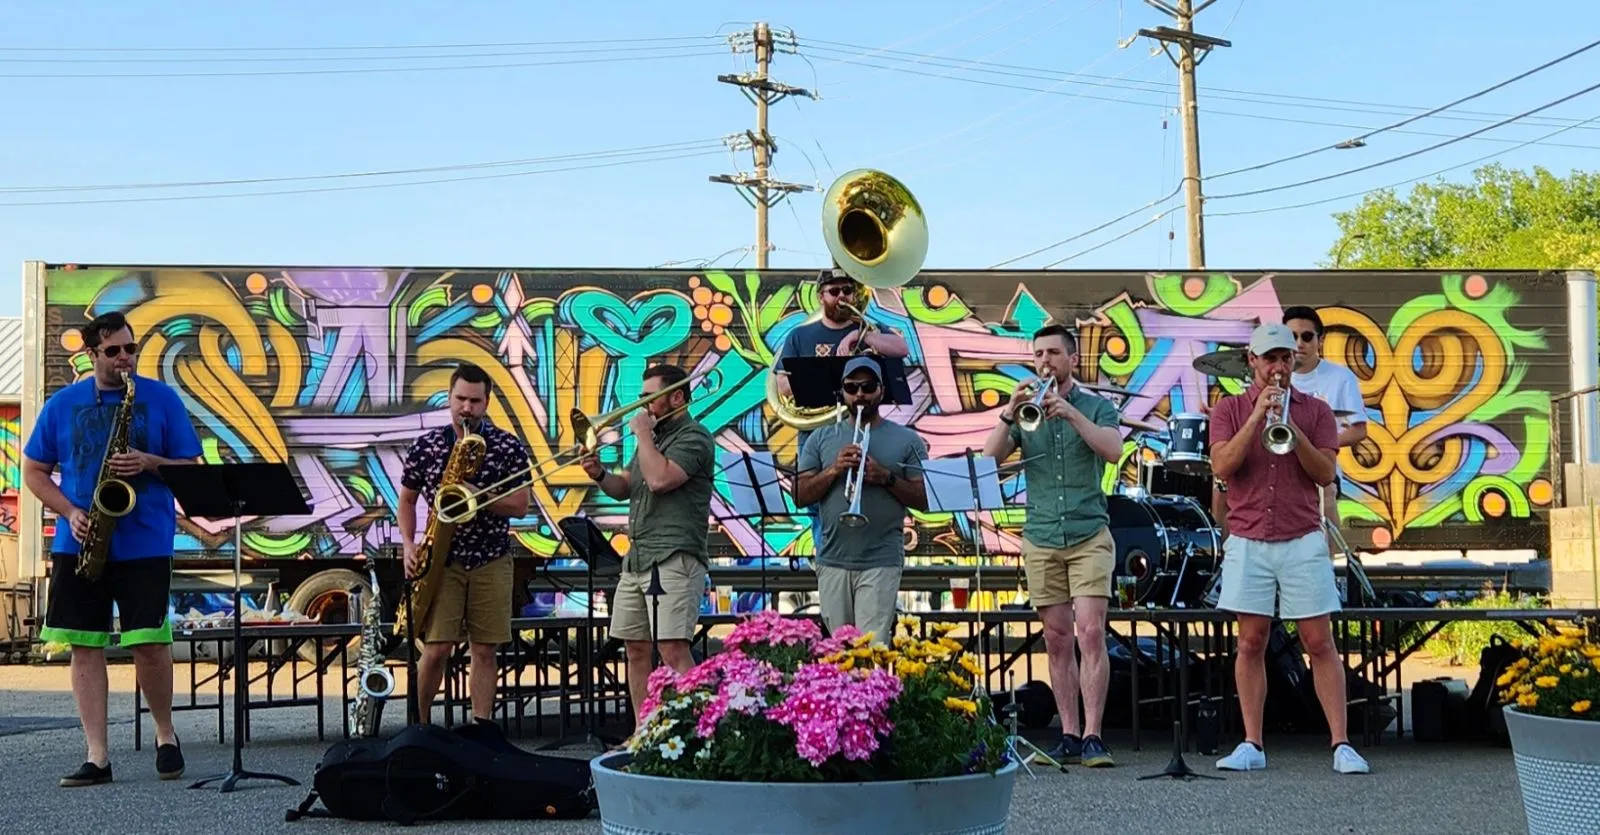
(858, 568)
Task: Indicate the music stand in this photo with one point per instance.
(583, 536)
(754, 489)
(222, 491)
(814, 381)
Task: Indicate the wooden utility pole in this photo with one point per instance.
(1192, 49)
(758, 190)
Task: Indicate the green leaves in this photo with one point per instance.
(1504, 219)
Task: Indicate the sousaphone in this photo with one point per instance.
(875, 230)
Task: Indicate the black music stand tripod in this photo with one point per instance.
(742, 472)
(223, 491)
(590, 545)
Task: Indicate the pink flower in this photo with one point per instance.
(832, 711)
(769, 627)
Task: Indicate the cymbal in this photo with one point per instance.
(1103, 387)
(1223, 363)
(1139, 424)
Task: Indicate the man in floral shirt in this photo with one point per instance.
(474, 597)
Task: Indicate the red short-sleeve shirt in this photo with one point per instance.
(1271, 498)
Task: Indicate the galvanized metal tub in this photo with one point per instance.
(634, 804)
(1558, 771)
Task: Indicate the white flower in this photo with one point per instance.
(680, 703)
(740, 699)
(672, 748)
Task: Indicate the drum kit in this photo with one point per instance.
(1169, 548)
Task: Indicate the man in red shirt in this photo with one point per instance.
(1276, 557)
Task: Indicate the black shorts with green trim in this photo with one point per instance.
(80, 611)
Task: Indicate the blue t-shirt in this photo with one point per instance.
(815, 339)
(72, 431)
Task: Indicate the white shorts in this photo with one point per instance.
(1296, 574)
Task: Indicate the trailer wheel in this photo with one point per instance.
(325, 598)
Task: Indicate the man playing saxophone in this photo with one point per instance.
(859, 566)
(668, 489)
(72, 432)
(473, 601)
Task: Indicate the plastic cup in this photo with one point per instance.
(958, 592)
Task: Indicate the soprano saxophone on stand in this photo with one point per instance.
(113, 497)
(375, 683)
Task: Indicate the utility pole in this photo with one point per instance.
(757, 189)
(1192, 49)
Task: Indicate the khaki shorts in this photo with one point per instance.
(864, 598)
(1057, 575)
(473, 605)
(684, 580)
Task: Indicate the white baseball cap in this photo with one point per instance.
(1270, 337)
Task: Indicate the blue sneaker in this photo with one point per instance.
(1068, 750)
(1095, 754)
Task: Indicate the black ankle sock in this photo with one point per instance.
(1336, 745)
(1256, 745)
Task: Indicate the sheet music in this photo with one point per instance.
(949, 484)
(740, 489)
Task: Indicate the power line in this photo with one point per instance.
(1064, 241)
(619, 152)
(369, 70)
(352, 48)
(365, 186)
(305, 59)
(1484, 158)
(1591, 88)
(1357, 141)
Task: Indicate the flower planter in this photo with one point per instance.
(633, 804)
(1558, 771)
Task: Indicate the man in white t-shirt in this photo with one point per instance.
(1333, 384)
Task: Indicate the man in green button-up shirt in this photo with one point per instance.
(1067, 549)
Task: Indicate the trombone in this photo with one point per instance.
(1278, 437)
(1031, 412)
(586, 428)
(854, 518)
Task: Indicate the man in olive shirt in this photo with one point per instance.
(668, 488)
(1067, 549)
(858, 569)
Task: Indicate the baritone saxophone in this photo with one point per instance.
(465, 459)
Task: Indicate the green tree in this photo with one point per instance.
(1504, 219)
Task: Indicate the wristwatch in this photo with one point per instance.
(1007, 419)
(890, 482)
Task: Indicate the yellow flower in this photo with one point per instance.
(848, 664)
(942, 629)
(1590, 651)
(1547, 682)
(970, 664)
(1521, 663)
(950, 644)
(1564, 669)
(910, 668)
(957, 680)
(1504, 680)
(966, 706)
(1528, 699)
(1580, 706)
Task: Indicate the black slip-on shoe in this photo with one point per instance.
(87, 774)
(169, 761)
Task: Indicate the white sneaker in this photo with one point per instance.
(1246, 757)
(1347, 761)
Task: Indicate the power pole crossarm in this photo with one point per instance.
(758, 189)
(1192, 48)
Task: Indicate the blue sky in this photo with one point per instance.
(1000, 171)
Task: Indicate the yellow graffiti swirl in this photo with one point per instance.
(1450, 345)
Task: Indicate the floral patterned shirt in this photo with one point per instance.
(485, 538)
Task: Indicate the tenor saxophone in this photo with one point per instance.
(465, 459)
(113, 497)
(375, 682)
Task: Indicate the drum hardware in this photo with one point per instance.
(1188, 451)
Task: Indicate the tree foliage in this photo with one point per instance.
(1504, 219)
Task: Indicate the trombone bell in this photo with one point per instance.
(874, 228)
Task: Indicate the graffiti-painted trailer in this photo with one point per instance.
(333, 371)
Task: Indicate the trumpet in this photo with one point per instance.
(462, 505)
(854, 518)
(1278, 437)
(1030, 413)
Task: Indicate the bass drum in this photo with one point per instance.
(1168, 545)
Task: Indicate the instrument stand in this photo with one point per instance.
(654, 593)
(1014, 739)
(1176, 768)
(221, 491)
(413, 706)
(589, 545)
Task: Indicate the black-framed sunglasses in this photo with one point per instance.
(114, 351)
(837, 290)
(1307, 337)
(863, 387)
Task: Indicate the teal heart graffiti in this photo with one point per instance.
(652, 325)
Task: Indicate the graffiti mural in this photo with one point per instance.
(10, 465)
(335, 371)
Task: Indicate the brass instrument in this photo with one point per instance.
(875, 230)
(867, 326)
(463, 504)
(1278, 437)
(375, 683)
(1030, 413)
(465, 459)
(113, 497)
(854, 518)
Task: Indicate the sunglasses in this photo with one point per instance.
(114, 351)
(863, 387)
(837, 290)
(1307, 337)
